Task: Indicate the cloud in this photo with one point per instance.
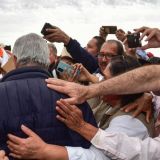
(80, 19)
(36, 4)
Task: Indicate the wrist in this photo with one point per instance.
(43, 153)
(66, 39)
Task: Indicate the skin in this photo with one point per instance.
(3, 156)
(34, 147)
(92, 47)
(135, 81)
(109, 50)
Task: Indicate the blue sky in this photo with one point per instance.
(80, 19)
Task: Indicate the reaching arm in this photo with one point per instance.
(136, 81)
(135, 149)
(139, 80)
(34, 147)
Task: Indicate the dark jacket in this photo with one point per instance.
(80, 55)
(25, 99)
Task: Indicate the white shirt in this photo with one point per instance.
(120, 146)
(121, 124)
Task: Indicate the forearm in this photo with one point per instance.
(136, 81)
(54, 152)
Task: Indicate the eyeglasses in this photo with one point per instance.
(106, 56)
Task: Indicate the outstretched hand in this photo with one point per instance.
(70, 115)
(153, 37)
(76, 91)
(26, 148)
(142, 104)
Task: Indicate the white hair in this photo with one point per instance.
(33, 48)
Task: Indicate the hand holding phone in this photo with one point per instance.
(45, 27)
(134, 40)
(110, 29)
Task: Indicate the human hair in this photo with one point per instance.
(31, 48)
(53, 47)
(120, 49)
(122, 64)
(100, 42)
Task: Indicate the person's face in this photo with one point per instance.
(52, 55)
(108, 51)
(92, 47)
(110, 99)
(120, 35)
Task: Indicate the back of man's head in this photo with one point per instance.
(31, 48)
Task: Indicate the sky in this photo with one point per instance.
(80, 19)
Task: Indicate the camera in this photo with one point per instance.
(110, 29)
(47, 26)
(133, 40)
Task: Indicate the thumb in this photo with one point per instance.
(72, 101)
(27, 131)
(144, 47)
(148, 115)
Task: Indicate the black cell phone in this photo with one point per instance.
(133, 40)
(8, 47)
(110, 29)
(46, 26)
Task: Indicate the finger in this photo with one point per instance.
(52, 29)
(73, 101)
(68, 105)
(55, 81)
(28, 131)
(137, 112)
(12, 146)
(15, 139)
(63, 107)
(137, 30)
(61, 112)
(151, 35)
(57, 88)
(129, 107)
(5, 158)
(15, 155)
(148, 116)
(63, 120)
(145, 47)
(2, 153)
(145, 33)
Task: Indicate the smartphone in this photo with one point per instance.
(8, 47)
(110, 29)
(46, 26)
(133, 40)
(64, 67)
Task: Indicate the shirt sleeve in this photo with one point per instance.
(122, 147)
(79, 153)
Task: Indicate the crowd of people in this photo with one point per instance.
(97, 102)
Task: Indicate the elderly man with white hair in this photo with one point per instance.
(25, 98)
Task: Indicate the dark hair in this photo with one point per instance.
(120, 49)
(122, 64)
(100, 42)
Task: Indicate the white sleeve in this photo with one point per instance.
(122, 147)
(79, 153)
